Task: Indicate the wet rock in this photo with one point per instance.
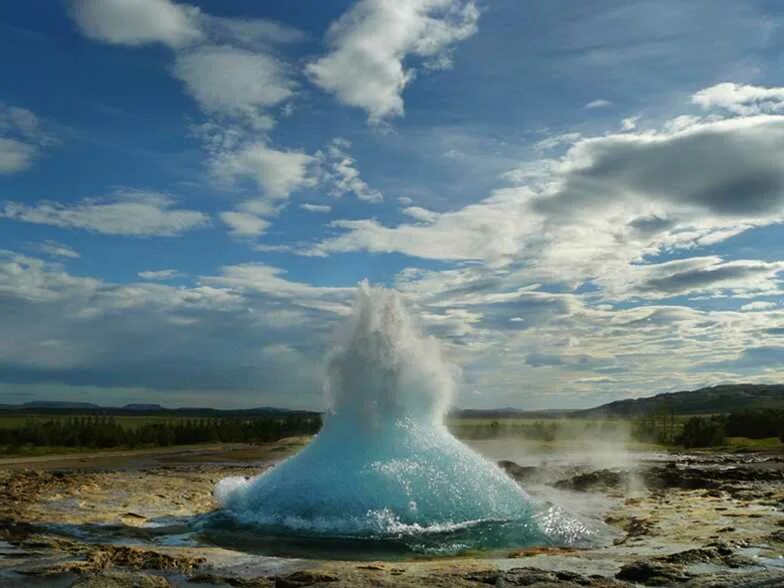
(15, 531)
(542, 550)
(305, 578)
(524, 576)
(121, 580)
(634, 528)
(776, 536)
(594, 481)
(232, 581)
(718, 554)
(653, 573)
(490, 577)
(711, 476)
(537, 577)
(87, 558)
(132, 519)
(137, 558)
(516, 471)
(671, 569)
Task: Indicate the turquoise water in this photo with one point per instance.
(384, 472)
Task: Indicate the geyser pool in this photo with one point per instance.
(384, 469)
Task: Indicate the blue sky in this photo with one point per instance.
(583, 201)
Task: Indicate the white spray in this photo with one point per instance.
(384, 463)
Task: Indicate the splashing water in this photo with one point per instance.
(384, 466)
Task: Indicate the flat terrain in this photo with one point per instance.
(122, 519)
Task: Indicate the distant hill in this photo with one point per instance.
(508, 413)
(59, 404)
(143, 407)
(146, 409)
(714, 399)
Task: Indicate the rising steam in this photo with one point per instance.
(384, 464)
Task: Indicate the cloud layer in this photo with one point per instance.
(138, 214)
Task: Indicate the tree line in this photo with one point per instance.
(103, 432)
(707, 431)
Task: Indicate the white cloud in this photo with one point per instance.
(599, 103)
(421, 214)
(130, 213)
(610, 201)
(159, 275)
(138, 22)
(244, 224)
(693, 275)
(21, 138)
(557, 140)
(56, 249)
(339, 171)
(491, 231)
(15, 155)
(629, 123)
(259, 278)
(371, 41)
(91, 333)
(278, 172)
(230, 67)
(741, 99)
(759, 305)
(323, 208)
(251, 32)
(231, 81)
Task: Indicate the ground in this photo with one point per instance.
(709, 519)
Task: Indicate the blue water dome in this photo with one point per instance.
(384, 463)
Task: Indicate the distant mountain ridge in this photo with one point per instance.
(712, 399)
(139, 408)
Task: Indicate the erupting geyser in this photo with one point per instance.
(384, 463)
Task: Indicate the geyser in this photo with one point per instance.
(384, 464)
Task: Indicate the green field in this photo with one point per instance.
(15, 421)
(639, 434)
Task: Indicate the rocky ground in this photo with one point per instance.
(104, 521)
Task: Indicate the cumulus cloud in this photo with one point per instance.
(138, 214)
(15, 155)
(370, 43)
(244, 224)
(694, 275)
(759, 305)
(568, 341)
(21, 138)
(231, 68)
(723, 168)
(420, 214)
(608, 202)
(159, 275)
(340, 173)
(233, 81)
(489, 231)
(101, 334)
(741, 99)
(138, 22)
(250, 323)
(256, 278)
(278, 172)
(56, 249)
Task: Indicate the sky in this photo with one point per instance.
(583, 201)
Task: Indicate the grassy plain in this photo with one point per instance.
(648, 433)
